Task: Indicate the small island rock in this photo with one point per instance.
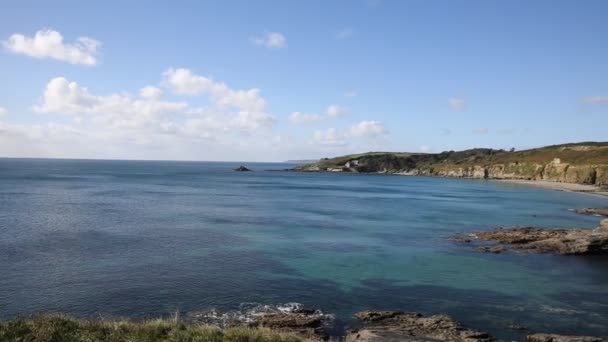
(242, 168)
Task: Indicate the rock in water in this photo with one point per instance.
(593, 211)
(389, 326)
(580, 241)
(561, 338)
(242, 168)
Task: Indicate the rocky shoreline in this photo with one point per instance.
(579, 241)
(376, 326)
(547, 184)
(392, 326)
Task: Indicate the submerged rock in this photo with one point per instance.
(460, 239)
(388, 326)
(544, 240)
(242, 168)
(593, 211)
(561, 338)
(492, 249)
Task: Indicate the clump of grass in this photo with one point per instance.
(59, 328)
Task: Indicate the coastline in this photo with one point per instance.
(559, 186)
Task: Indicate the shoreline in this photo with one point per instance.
(559, 186)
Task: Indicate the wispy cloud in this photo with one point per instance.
(351, 93)
(595, 100)
(480, 131)
(368, 129)
(362, 130)
(335, 111)
(456, 103)
(271, 40)
(50, 44)
(304, 118)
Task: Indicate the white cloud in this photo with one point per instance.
(3, 111)
(456, 103)
(344, 33)
(271, 40)
(49, 44)
(148, 112)
(329, 137)
(144, 124)
(116, 110)
(481, 131)
(184, 82)
(335, 111)
(140, 126)
(304, 118)
(368, 129)
(593, 100)
(150, 92)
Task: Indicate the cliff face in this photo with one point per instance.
(585, 163)
(554, 172)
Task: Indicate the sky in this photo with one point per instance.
(278, 80)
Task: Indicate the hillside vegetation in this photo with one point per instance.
(585, 163)
(64, 329)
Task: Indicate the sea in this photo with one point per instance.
(146, 239)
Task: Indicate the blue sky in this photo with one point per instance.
(226, 78)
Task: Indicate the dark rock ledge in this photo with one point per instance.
(593, 211)
(393, 326)
(389, 326)
(580, 241)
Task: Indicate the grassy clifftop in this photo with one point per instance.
(585, 162)
(63, 329)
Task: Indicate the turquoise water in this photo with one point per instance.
(142, 239)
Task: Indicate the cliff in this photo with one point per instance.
(583, 163)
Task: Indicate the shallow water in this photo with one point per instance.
(142, 239)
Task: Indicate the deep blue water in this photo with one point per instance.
(144, 238)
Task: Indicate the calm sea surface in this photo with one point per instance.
(144, 238)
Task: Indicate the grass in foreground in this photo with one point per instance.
(56, 328)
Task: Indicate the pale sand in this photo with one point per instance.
(590, 189)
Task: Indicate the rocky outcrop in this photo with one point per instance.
(242, 168)
(290, 317)
(593, 211)
(305, 323)
(562, 338)
(547, 240)
(388, 326)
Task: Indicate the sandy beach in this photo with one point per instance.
(574, 187)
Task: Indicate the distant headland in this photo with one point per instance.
(584, 163)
